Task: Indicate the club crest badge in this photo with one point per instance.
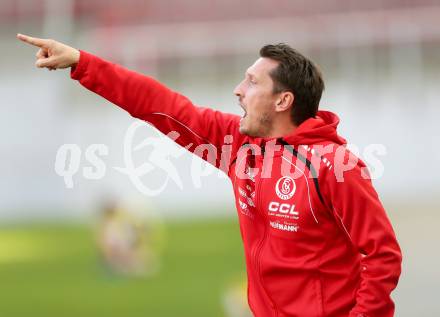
(285, 187)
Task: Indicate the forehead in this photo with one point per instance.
(262, 67)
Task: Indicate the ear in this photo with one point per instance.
(284, 101)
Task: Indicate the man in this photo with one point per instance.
(317, 240)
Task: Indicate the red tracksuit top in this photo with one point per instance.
(314, 245)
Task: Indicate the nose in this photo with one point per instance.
(238, 91)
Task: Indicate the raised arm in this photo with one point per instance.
(143, 97)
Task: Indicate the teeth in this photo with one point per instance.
(244, 110)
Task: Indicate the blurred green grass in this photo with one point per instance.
(54, 270)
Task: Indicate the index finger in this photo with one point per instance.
(32, 40)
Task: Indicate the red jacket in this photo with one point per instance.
(317, 240)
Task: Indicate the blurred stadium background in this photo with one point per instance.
(381, 62)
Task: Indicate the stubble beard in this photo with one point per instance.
(265, 124)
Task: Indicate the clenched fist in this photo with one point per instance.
(52, 54)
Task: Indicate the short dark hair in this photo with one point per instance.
(297, 74)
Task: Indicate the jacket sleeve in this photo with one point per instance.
(358, 211)
(145, 98)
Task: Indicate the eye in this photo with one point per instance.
(250, 79)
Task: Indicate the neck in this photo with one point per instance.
(282, 126)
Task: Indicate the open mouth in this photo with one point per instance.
(244, 111)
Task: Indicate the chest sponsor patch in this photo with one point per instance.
(284, 227)
(283, 210)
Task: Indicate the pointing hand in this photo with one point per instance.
(52, 54)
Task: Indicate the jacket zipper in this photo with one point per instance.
(259, 247)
